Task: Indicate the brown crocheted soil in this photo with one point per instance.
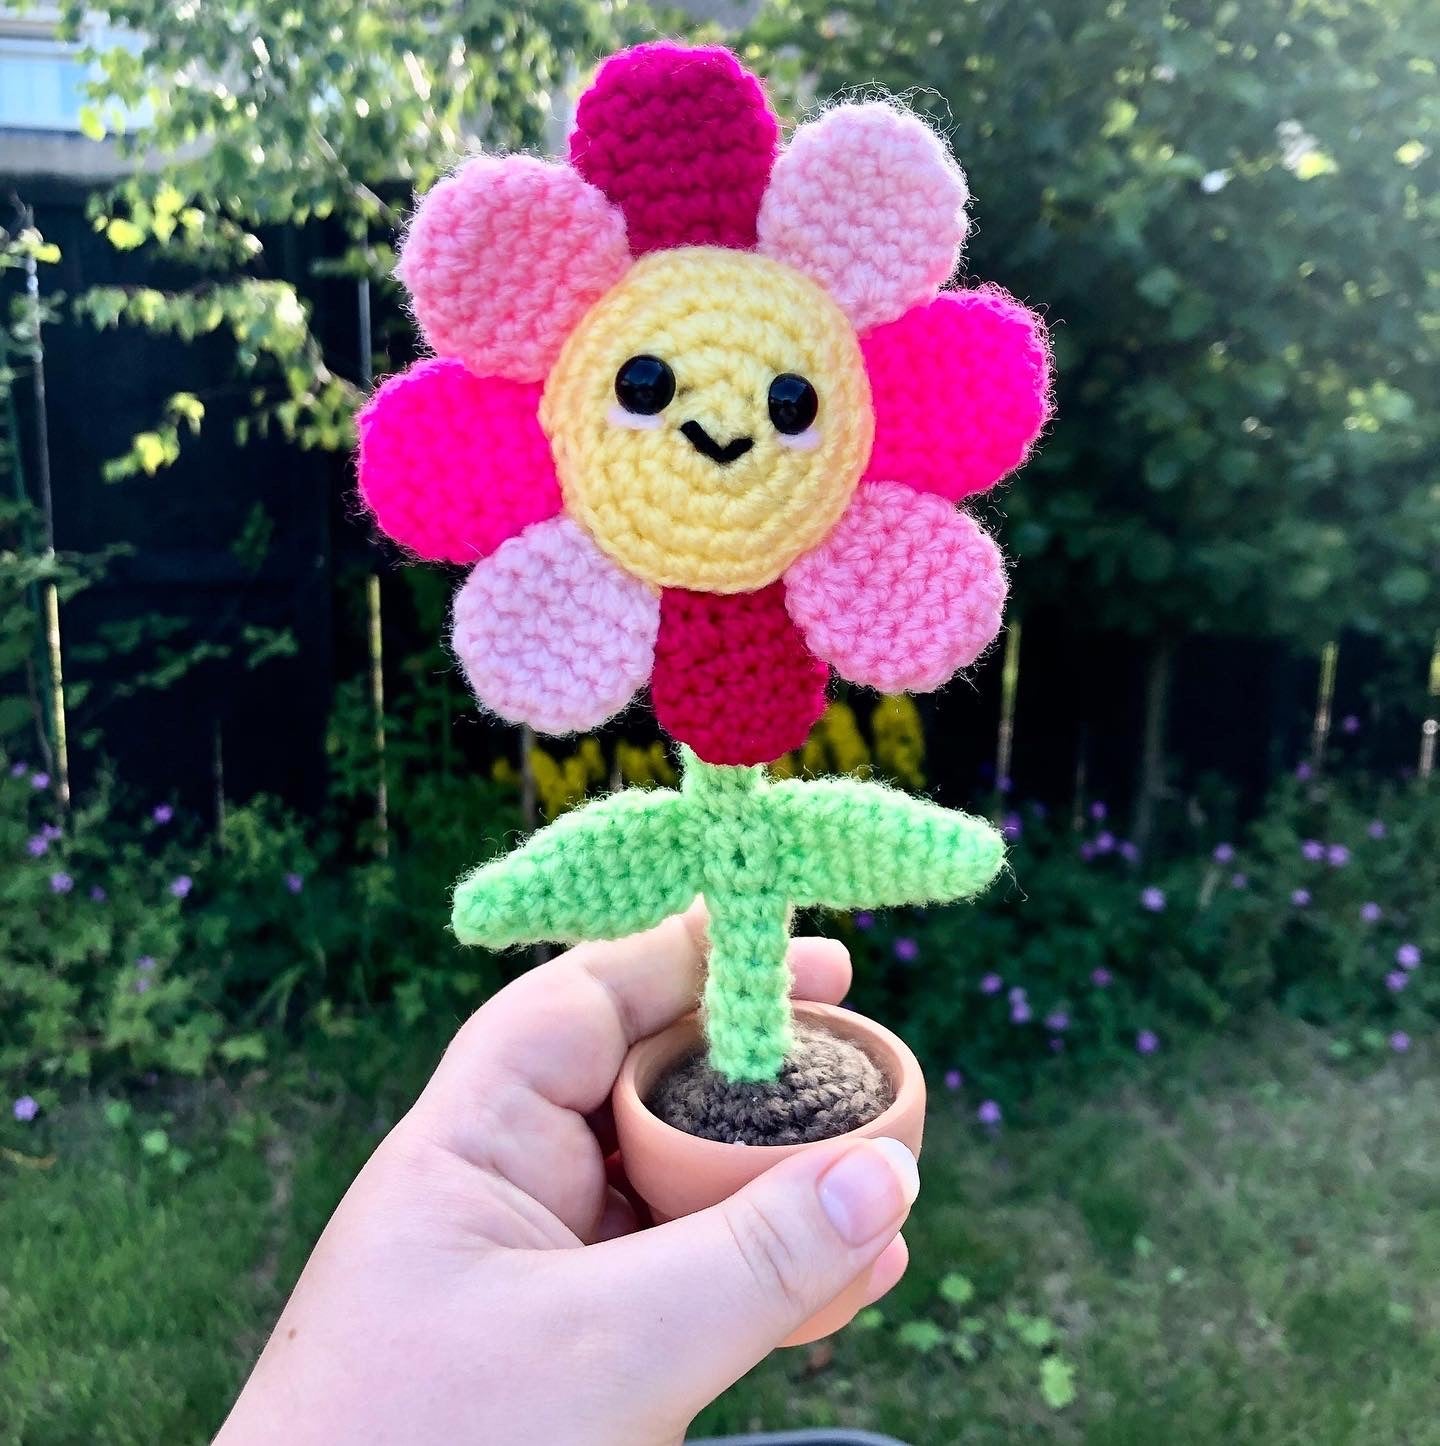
(827, 1087)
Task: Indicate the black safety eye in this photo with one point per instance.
(793, 403)
(645, 385)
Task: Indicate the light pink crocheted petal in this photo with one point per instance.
(551, 633)
(961, 389)
(905, 590)
(682, 139)
(451, 464)
(869, 202)
(503, 258)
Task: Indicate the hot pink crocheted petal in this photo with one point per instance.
(869, 202)
(682, 139)
(905, 590)
(961, 389)
(504, 257)
(451, 465)
(733, 678)
(551, 633)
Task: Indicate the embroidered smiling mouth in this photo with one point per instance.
(707, 446)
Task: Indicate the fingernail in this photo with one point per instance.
(868, 1189)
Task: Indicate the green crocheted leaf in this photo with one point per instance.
(610, 868)
(852, 845)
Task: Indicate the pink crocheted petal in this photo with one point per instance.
(551, 633)
(869, 202)
(733, 678)
(904, 590)
(451, 465)
(961, 389)
(504, 257)
(682, 139)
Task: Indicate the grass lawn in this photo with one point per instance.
(1237, 1244)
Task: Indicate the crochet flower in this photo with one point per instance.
(700, 414)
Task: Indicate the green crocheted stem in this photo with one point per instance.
(747, 987)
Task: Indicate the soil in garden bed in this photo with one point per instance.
(827, 1087)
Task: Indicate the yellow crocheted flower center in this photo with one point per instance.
(707, 491)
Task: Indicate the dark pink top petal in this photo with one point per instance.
(733, 678)
(453, 464)
(961, 388)
(682, 139)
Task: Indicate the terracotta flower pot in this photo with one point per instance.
(677, 1173)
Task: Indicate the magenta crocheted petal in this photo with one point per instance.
(682, 140)
(452, 464)
(733, 678)
(961, 389)
(504, 257)
(904, 591)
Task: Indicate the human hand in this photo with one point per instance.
(483, 1282)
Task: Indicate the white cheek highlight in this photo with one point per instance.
(805, 441)
(634, 420)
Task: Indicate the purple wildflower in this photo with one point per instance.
(954, 1080)
(97, 894)
(1313, 850)
(1017, 994)
(1371, 912)
(1224, 853)
(1101, 978)
(181, 887)
(863, 920)
(1239, 881)
(1349, 724)
(17, 770)
(1105, 842)
(1153, 899)
(1396, 980)
(61, 883)
(1020, 1012)
(39, 780)
(1130, 852)
(142, 985)
(1337, 856)
(991, 984)
(1400, 1041)
(1304, 772)
(1377, 828)
(1012, 826)
(162, 813)
(989, 1113)
(1408, 956)
(1300, 898)
(907, 951)
(1098, 811)
(52, 831)
(1057, 1045)
(1057, 1021)
(25, 1109)
(1147, 1042)
(36, 845)
(145, 963)
(1087, 851)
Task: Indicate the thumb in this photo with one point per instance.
(713, 1293)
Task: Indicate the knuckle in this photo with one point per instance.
(769, 1255)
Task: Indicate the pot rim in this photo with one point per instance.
(884, 1046)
